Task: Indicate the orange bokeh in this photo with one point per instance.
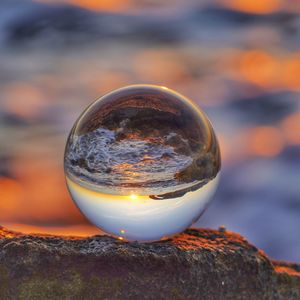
(260, 68)
(99, 5)
(162, 66)
(291, 72)
(23, 99)
(106, 5)
(266, 70)
(254, 6)
(264, 141)
(39, 194)
(11, 195)
(291, 128)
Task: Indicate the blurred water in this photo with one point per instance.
(240, 64)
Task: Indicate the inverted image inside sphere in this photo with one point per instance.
(142, 163)
(144, 140)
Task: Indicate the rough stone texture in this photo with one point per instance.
(197, 264)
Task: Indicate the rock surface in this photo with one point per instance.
(197, 264)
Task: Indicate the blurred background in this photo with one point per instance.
(239, 60)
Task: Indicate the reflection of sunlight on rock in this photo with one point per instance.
(80, 230)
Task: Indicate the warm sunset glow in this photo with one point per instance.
(265, 141)
(107, 5)
(99, 5)
(224, 147)
(80, 230)
(260, 68)
(112, 80)
(254, 6)
(15, 95)
(162, 65)
(11, 194)
(291, 128)
(291, 72)
(288, 270)
(133, 197)
(43, 198)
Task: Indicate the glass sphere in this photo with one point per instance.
(142, 163)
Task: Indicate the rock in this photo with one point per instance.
(197, 264)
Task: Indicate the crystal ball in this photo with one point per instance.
(142, 163)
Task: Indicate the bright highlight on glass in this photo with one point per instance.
(142, 163)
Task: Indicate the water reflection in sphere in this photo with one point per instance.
(142, 162)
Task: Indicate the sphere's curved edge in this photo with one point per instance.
(142, 162)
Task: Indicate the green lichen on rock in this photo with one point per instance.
(197, 264)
